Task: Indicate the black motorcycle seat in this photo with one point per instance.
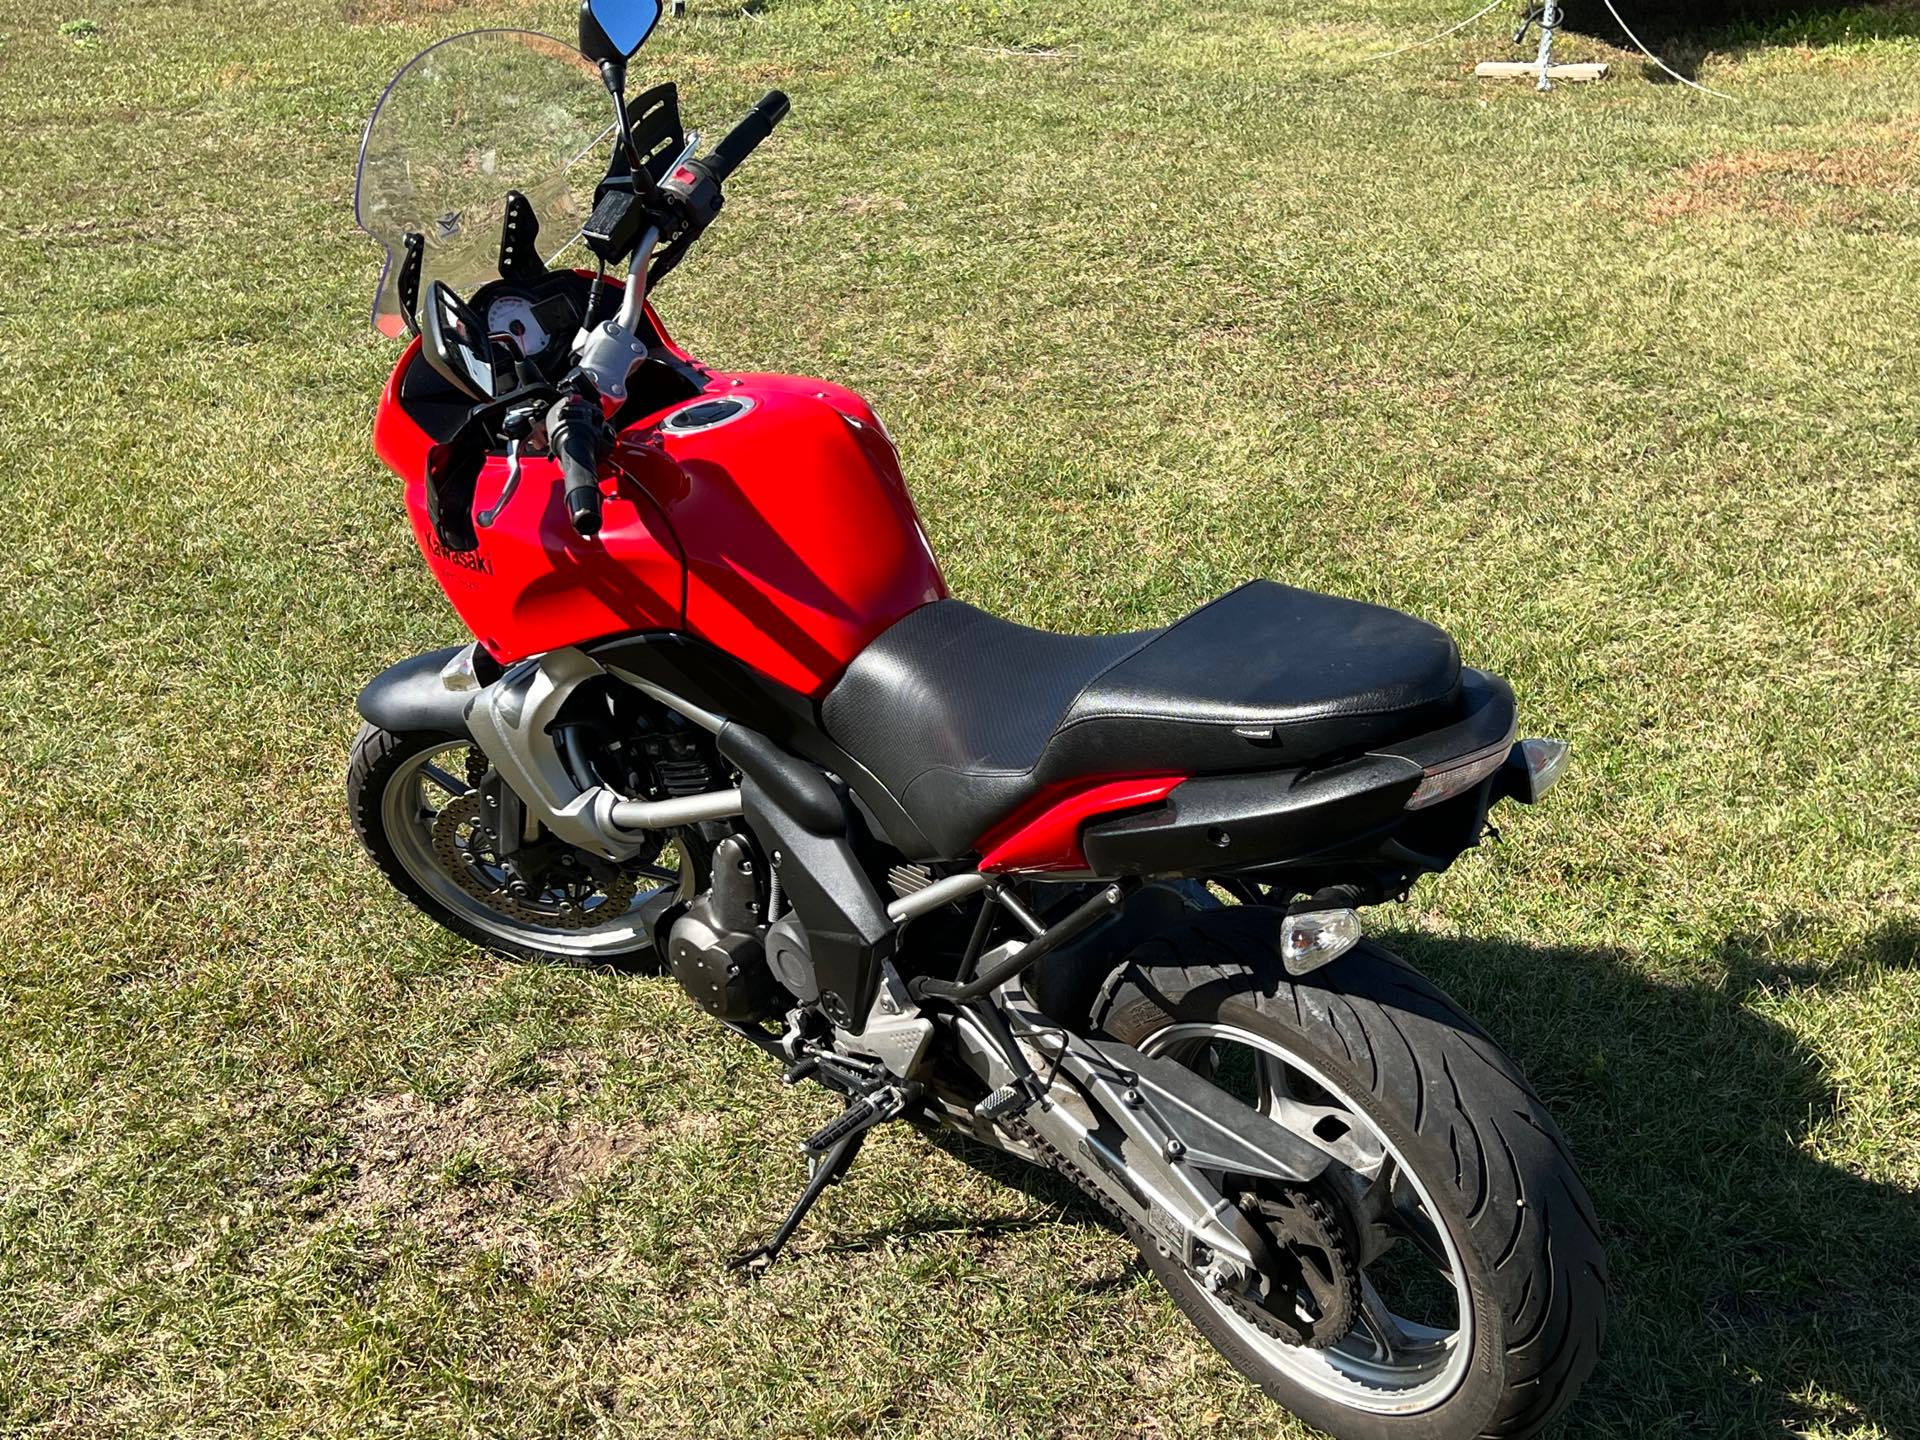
(965, 717)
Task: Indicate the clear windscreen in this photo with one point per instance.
(463, 123)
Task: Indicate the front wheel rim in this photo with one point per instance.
(1388, 1364)
(414, 795)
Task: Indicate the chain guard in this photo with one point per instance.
(460, 859)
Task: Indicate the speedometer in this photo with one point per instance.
(512, 318)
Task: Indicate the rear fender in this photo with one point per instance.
(1067, 983)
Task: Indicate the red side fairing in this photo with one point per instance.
(785, 537)
(533, 584)
(1043, 836)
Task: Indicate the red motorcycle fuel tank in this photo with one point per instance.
(767, 516)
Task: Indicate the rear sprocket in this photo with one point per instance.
(1315, 1299)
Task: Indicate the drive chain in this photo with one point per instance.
(1241, 1305)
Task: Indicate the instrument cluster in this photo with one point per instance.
(534, 322)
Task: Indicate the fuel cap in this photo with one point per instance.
(706, 414)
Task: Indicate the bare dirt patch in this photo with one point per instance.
(1797, 186)
(397, 12)
(477, 1171)
(458, 1164)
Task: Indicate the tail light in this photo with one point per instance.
(1544, 759)
(1458, 775)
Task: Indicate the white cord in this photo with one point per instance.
(1389, 54)
(1704, 90)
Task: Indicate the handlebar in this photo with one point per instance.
(573, 438)
(741, 141)
(607, 357)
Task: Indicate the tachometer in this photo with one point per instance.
(512, 318)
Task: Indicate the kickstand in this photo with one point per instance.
(826, 1171)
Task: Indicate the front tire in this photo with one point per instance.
(397, 785)
(1477, 1175)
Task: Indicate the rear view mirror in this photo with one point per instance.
(611, 30)
(454, 341)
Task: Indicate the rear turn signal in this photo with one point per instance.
(1313, 937)
(1544, 759)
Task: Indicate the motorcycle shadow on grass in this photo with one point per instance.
(1684, 32)
(1756, 1289)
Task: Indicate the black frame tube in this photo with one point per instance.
(1083, 918)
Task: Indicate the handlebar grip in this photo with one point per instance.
(739, 142)
(574, 438)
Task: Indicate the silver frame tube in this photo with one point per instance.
(667, 814)
(932, 897)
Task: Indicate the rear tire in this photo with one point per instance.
(1454, 1112)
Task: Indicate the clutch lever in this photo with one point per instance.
(524, 427)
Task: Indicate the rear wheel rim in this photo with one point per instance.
(1389, 1364)
(420, 786)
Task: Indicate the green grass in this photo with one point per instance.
(1620, 385)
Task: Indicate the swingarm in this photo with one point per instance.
(1153, 1141)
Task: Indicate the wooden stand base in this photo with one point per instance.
(1530, 70)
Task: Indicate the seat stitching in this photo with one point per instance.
(1067, 709)
(1152, 635)
(973, 774)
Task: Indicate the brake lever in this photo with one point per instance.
(486, 518)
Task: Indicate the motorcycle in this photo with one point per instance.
(1088, 900)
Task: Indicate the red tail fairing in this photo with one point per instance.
(1044, 836)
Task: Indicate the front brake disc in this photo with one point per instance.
(464, 848)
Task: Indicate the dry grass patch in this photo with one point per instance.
(475, 1172)
(1797, 186)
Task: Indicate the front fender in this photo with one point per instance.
(414, 696)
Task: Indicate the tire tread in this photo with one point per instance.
(1548, 1264)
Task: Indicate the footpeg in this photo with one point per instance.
(860, 1114)
(1009, 1099)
